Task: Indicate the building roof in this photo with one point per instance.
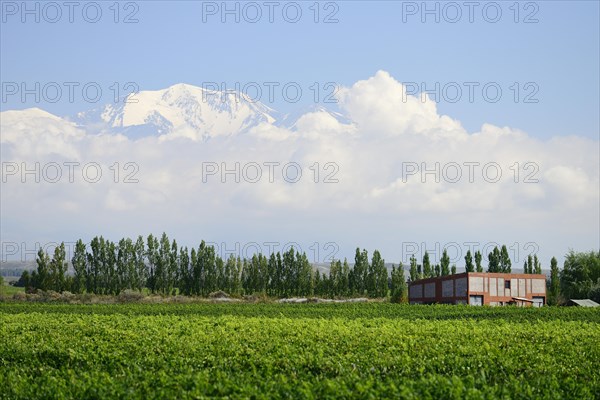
(585, 302)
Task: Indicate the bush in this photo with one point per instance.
(49, 295)
(218, 295)
(127, 296)
(20, 296)
(68, 296)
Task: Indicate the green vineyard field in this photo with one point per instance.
(368, 350)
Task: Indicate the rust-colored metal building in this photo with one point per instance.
(479, 288)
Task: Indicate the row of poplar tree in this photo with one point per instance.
(498, 261)
(163, 267)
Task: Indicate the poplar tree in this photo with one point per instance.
(554, 281)
(42, 277)
(237, 273)
(345, 279)
(505, 263)
(494, 260)
(478, 259)
(109, 259)
(378, 279)
(230, 270)
(140, 279)
(445, 263)
(172, 269)
(280, 275)
(152, 256)
(163, 265)
(529, 264)
(318, 284)
(427, 270)
(335, 272)
(537, 267)
(413, 269)
(93, 266)
(79, 263)
(306, 275)
(360, 271)
(398, 284)
(184, 275)
(123, 277)
(371, 283)
(275, 277)
(469, 267)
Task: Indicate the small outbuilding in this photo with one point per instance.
(582, 303)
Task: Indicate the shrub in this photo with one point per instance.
(128, 295)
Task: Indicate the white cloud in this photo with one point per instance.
(367, 156)
(380, 105)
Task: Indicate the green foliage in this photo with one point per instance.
(478, 259)
(499, 260)
(581, 272)
(469, 267)
(377, 277)
(373, 350)
(338, 279)
(427, 270)
(445, 263)
(359, 272)
(594, 293)
(554, 289)
(79, 265)
(161, 266)
(51, 273)
(505, 264)
(399, 288)
(58, 269)
(414, 273)
(24, 280)
(494, 260)
(537, 267)
(41, 279)
(7, 290)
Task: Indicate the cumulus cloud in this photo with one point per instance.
(380, 105)
(392, 160)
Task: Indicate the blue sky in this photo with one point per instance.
(172, 44)
(552, 61)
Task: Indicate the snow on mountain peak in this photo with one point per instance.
(186, 108)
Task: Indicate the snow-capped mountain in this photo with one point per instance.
(179, 111)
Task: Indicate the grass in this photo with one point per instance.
(9, 290)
